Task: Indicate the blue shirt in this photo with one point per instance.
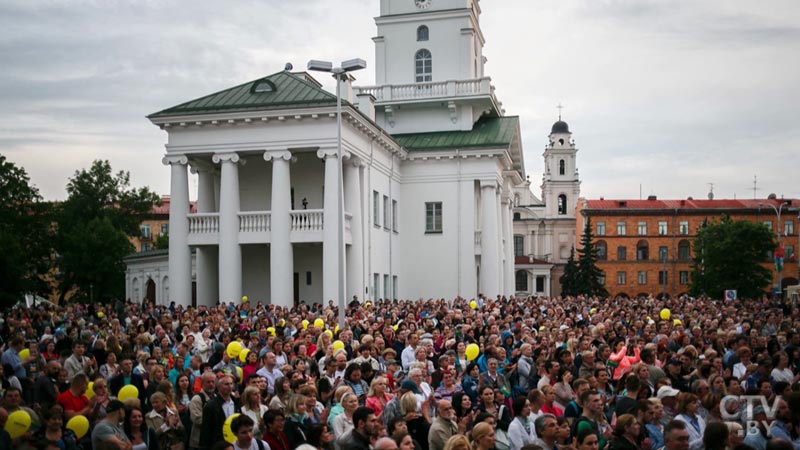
(11, 357)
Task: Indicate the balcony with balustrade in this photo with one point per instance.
(433, 91)
(307, 225)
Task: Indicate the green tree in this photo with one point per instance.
(588, 279)
(728, 254)
(24, 234)
(162, 242)
(94, 226)
(570, 277)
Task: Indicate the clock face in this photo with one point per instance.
(422, 4)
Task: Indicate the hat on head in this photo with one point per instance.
(114, 405)
(667, 391)
(409, 385)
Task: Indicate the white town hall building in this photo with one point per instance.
(433, 179)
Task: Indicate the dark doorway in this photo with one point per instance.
(151, 291)
(296, 289)
(194, 294)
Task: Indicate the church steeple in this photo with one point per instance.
(561, 182)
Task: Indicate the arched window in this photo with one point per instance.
(562, 204)
(562, 169)
(684, 250)
(422, 33)
(602, 250)
(521, 281)
(423, 66)
(642, 250)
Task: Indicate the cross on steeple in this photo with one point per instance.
(559, 110)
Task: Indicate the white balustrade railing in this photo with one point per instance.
(348, 219)
(203, 223)
(254, 221)
(431, 89)
(307, 219)
(478, 238)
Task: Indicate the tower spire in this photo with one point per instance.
(559, 110)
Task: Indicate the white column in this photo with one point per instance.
(508, 251)
(330, 217)
(281, 254)
(180, 257)
(490, 268)
(230, 253)
(206, 256)
(352, 204)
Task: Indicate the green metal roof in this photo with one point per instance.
(277, 91)
(487, 132)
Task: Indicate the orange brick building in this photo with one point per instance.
(155, 224)
(645, 246)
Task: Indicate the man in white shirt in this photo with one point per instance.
(270, 371)
(407, 357)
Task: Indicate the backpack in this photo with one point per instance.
(574, 428)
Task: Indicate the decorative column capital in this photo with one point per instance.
(325, 153)
(175, 159)
(488, 184)
(275, 155)
(231, 157)
(197, 166)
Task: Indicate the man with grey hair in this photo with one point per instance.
(216, 411)
(208, 383)
(443, 426)
(385, 443)
(546, 427)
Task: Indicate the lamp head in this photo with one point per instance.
(354, 64)
(321, 66)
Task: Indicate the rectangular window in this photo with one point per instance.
(788, 252)
(684, 277)
(768, 224)
(642, 277)
(433, 217)
(601, 228)
(519, 245)
(683, 228)
(386, 212)
(145, 231)
(164, 228)
(386, 288)
(394, 216)
(308, 278)
(521, 280)
(602, 279)
(622, 278)
(602, 251)
(622, 253)
(376, 208)
(642, 228)
(394, 286)
(539, 283)
(662, 277)
(621, 228)
(662, 228)
(376, 280)
(788, 227)
(683, 251)
(662, 253)
(145, 246)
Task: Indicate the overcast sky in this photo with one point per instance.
(669, 95)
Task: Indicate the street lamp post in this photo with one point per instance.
(339, 74)
(778, 211)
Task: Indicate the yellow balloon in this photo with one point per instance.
(90, 390)
(244, 299)
(239, 373)
(473, 304)
(336, 329)
(367, 304)
(319, 323)
(472, 351)
(243, 355)
(329, 333)
(271, 331)
(338, 345)
(129, 391)
(79, 425)
(649, 318)
(18, 423)
(305, 324)
(234, 348)
(677, 322)
(24, 353)
(227, 433)
(100, 314)
(283, 322)
(593, 311)
(665, 314)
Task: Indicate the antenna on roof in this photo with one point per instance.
(559, 110)
(755, 186)
(710, 191)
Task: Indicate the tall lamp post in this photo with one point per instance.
(339, 74)
(778, 211)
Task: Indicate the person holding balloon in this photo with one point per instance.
(54, 432)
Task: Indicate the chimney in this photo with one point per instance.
(366, 104)
(346, 88)
(652, 198)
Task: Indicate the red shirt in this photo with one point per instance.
(72, 403)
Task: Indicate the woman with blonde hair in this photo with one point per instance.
(337, 409)
(377, 397)
(626, 433)
(457, 442)
(687, 407)
(344, 421)
(296, 426)
(416, 423)
(252, 408)
(483, 437)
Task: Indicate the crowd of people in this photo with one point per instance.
(529, 373)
